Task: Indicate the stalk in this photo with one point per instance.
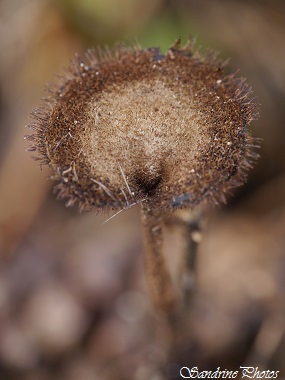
(159, 281)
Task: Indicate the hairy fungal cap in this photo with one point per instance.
(130, 125)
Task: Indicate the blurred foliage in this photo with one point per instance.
(104, 21)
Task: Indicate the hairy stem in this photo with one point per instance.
(158, 278)
(188, 225)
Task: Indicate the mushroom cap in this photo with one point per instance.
(128, 125)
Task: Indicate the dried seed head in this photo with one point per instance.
(132, 124)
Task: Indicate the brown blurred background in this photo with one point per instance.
(73, 302)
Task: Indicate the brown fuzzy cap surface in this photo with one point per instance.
(129, 125)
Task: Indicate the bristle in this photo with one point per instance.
(126, 124)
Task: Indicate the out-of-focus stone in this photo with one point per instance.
(54, 319)
(16, 348)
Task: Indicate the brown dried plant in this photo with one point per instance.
(131, 125)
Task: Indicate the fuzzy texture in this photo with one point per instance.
(130, 125)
